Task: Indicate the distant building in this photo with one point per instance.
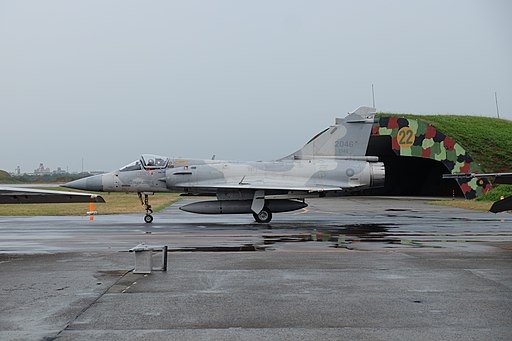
(59, 171)
(42, 170)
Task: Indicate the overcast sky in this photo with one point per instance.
(105, 81)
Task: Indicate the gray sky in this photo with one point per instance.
(246, 80)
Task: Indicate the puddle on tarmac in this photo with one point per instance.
(336, 236)
(350, 237)
(245, 247)
(339, 237)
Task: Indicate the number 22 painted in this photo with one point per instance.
(405, 137)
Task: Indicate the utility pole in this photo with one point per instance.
(373, 96)
(496, 99)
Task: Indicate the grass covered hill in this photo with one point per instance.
(4, 175)
(488, 140)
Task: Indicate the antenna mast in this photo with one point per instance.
(373, 96)
(496, 99)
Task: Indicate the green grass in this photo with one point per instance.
(116, 203)
(496, 193)
(465, 204)
(488, 140)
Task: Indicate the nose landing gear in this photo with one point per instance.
(148, 218)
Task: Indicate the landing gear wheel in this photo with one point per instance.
(148, 218)
(265, 216)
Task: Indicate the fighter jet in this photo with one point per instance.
(332, 161)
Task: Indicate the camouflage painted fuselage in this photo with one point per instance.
(206, 176)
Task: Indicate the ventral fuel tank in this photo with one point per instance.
(241, 206)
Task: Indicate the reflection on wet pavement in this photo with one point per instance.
(333, 224)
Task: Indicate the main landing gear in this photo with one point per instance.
(265, 216)
(148, 218)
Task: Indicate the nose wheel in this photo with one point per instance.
(148, 218)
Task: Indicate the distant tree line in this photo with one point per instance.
(6, 178)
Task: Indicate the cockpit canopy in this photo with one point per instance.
(147, 161)
(150, 161)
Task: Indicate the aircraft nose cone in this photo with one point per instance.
(92, 183)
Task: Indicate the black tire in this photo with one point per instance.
(265, 216)
(148, 219)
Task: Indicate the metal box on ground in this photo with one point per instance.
(144, 258)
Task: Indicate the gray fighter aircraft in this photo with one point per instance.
(332, 161)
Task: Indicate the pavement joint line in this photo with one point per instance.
(90, 304)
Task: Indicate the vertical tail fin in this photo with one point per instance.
(348, 137)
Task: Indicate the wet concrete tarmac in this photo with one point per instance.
(354, 268)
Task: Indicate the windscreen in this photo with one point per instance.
(135, 165)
